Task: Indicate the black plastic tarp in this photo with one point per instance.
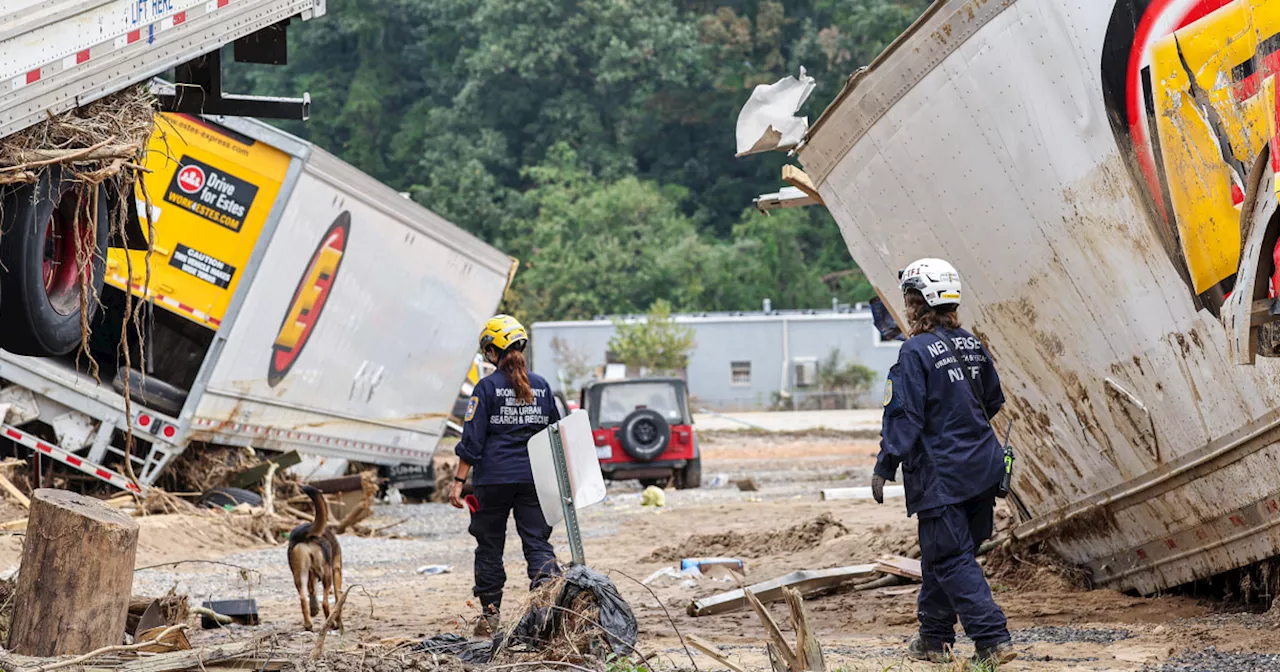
(539, 625)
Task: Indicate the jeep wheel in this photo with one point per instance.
(691, 476)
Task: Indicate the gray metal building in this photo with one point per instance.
(740, 361)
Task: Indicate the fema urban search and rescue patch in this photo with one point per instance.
(471, 408)
(888, 391)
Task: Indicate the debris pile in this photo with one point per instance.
(800, 537)
(579, 616)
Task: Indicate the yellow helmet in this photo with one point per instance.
(502, 332)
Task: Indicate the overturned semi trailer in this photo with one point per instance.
(1102, 176)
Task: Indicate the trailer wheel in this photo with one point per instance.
(151, 391)
(40, 294)
(218, 498)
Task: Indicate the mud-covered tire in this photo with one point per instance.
(644, 434)
(40, 290)
(151, 392)
(218, 498)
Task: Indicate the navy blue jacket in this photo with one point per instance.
(496, 434)
(936, 425)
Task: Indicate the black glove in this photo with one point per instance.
(877, 488)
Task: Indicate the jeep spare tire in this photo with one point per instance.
(644, 434)
(47, 229)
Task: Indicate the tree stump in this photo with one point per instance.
(76, 576)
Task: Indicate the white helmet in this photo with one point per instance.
(936, 279)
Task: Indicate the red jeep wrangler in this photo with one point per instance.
(643, 430)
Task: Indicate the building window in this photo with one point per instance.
(740, 373)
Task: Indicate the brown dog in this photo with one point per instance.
(314, 554)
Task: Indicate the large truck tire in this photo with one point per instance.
(151, 391)
(40, 290)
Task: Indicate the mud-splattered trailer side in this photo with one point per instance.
(1094, 170)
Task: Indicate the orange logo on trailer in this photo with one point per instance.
(309, 299)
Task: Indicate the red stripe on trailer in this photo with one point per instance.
(16, 436)
(179, 18)
(44, 447)
(134, 36)
(82, 56)
(103, 473)
(223, 3)
(33, 76)
(74, 461)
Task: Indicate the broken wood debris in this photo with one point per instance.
(906, 568)
(888, 571)
(808, 582)
(806, 655)
(715, 653)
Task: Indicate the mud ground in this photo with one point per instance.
(776, 529)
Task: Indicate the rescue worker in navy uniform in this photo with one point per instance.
(506, 408)
(938, 402)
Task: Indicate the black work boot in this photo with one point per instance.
(488, 623)
(989, 658)
(928, 650)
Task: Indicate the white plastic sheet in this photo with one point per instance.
(767, 120)
(580, 455)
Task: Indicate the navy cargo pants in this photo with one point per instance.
(489, 527)
(953, 580)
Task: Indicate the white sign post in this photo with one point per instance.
(566, 473)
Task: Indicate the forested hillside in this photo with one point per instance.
(593, 139)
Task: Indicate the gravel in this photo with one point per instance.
(1055, 634)
(1212, 660)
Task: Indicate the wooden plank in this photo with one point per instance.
(864, 492)
(195, 658)
(897, 565)
(14, 492)
(808, 649)
(779, 642)
(715, 653)
(255, 474)
(808, 582)
(797, 178)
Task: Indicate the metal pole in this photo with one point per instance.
(566, 497)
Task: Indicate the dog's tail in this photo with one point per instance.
(322, 510)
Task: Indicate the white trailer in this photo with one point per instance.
(56, 55)
(347, 332)
(1101, 173)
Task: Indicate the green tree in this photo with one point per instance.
(472, 106)
(850, 378)
(657, 343)
(597, 247)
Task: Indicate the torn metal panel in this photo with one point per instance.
(787, 197)
(1097, 234)
(767, 120)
